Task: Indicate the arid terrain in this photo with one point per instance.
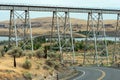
(43, 25)
(40, 70)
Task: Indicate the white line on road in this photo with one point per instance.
(100, 78)
(80, 76)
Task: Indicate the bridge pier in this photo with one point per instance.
(96, 47)
(62, 29)
(116, 51)
(20, 28)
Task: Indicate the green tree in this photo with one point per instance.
(15, 52)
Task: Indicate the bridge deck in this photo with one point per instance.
(22, 7)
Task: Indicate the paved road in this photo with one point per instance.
(97, 73)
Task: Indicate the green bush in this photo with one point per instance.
(23, 54)
(54, 55)
(38, 41)
(17, 51)
(30, 55)
(79, 45)
(110, 42)
(37, 45)
(6, 48)
(57, 66)
(27, 64)
(27, 76)
(48, 47)
(40, 53)
(2, 52)
(50, 63)
(3, 42)
(46, 67)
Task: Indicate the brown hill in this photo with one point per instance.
(43, 25)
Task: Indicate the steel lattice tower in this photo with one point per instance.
(61, 27)
(116, 50)
(96, 44)
(20, 28)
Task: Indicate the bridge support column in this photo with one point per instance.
(20, 28)
(61, 27)
(12, 28)
(96, 45)
(116, 51)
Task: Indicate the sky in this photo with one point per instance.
(86, 3)
(114, 4)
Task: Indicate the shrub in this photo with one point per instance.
(23, 54)
(27, 76)
(50, 63)
(103, 53)
(27, 64)
(57, 66)
(79, 45)
(6, 48)
(40, 53)
(38, 67)
(53, 63)
(53, 55)
(16, 51)
(37, 45)
(30, 55)
(38, 41)
(2, 52)
(48, 47)
(46, 67)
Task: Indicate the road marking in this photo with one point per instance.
(80, 76)
(103, 74)
(100, 78)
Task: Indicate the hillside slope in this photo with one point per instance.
(43, 26)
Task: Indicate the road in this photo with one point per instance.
(97, 73)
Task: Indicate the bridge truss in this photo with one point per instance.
(116, 51)
(61, 27)
(96, 44)
(20, 28)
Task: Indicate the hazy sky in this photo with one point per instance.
(74, 3)
(88, 3)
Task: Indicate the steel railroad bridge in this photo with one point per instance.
(61, 25)
(23, 7)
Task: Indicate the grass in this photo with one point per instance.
(39, 65)
(7, 64)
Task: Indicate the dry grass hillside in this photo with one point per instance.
(43, 26)
(41, 68)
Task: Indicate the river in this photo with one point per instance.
(3, 38)
(100, 38)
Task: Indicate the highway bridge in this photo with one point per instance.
(61, 24)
